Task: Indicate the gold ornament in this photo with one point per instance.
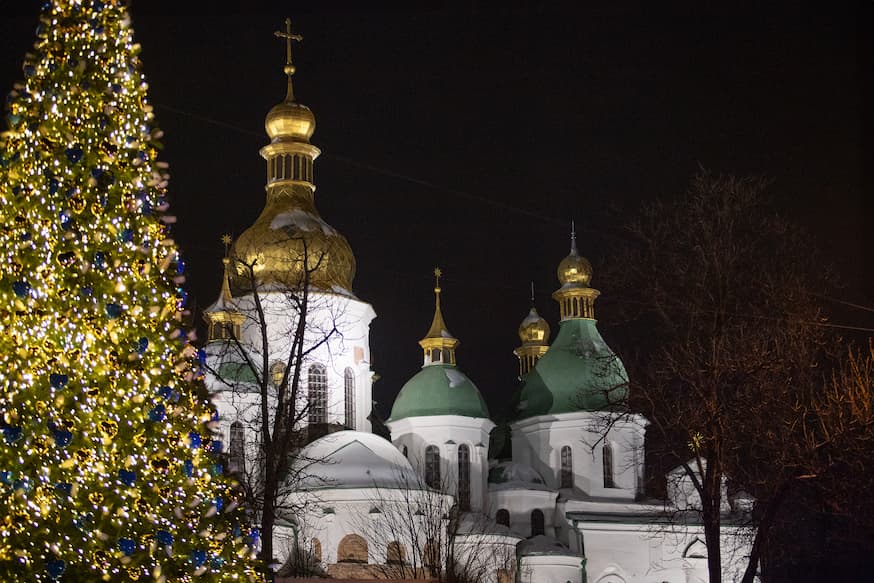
(77, 204)
(160, 464)
(96, 498)
(109, 429)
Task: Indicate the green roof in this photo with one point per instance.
(439, 389)
(238, 372)
(579, 372)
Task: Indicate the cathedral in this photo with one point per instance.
(565, 503)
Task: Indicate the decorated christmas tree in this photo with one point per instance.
(108, 466)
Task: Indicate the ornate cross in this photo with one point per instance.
(289, 37)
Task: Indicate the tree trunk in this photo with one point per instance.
(267, 516)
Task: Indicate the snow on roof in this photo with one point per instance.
(454, 376)
(353, 459)
(302, 220)
(511, 475)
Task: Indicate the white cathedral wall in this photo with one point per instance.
(520, 503)
(640, 552)
(338, 332)
(550, 569)
(448, 432)
(538, 441)
(331, 514)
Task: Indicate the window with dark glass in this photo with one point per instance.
(537, 523)
(566, 474)
(607, 455)
(432, 466)
(237, 448)
(464, 477)
(349, 389)
(317, 387)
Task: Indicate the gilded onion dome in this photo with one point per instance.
(534, 330)
(534, 334)
(574, 269)
(575, 298)
(289, 244)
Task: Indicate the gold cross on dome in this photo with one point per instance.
(288, 36)
(226, 241)
(437, 273)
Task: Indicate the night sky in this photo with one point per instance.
(470, 140)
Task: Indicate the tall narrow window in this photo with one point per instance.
(537, 523)
(502, 516)
(566, 475)
(432, 466)
(349, 387)
(607, 455)
(237, 448)
(464, 477)
(317, 387)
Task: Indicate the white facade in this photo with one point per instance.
(337, 340)
(448, 433)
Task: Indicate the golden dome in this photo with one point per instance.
(285, 242)
(574, 269)
(290, 121)
(534, 330)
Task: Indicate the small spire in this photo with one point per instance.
(289, 66)
(532, 294)
(226, 260)
(574, 239)
(438, 326)
(438, 344)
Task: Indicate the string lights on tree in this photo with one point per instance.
(108, 463)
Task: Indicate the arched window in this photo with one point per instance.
(352, 549)
(237, 448)
(432, 466)
(349, 386)
(537, 523)
(464, 477)
(395, 554)
(317, 386)
(607, 458)
(431, 555)
(566, 474)
(405, 451)
(502, 516)
(317, 550)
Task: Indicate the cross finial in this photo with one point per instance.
(289, 67)
(532, 294)
(226, 241)
(437, 273)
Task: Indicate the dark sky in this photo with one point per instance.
(470, 139)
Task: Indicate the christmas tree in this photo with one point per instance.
(108, 465)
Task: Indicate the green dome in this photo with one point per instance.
(579, 372)
(439, 389)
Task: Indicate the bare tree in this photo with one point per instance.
(425, 537)
(721, 287)
(264, 340)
